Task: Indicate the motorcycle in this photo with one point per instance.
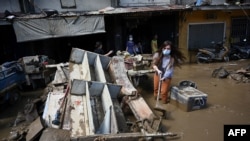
(217, 52)
(239, 51)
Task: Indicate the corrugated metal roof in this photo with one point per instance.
(111, 10)
(221, 7)
(124, 10)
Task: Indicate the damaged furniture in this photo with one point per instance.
(93, 108)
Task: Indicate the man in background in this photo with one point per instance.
(154, 44)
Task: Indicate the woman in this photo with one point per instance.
(164, 61)
(130, 45)
(154, 45)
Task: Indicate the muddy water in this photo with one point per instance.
(228, 102)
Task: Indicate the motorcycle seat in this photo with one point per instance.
(210, 49)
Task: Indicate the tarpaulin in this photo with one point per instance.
(37, 29)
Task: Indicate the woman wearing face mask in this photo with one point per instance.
(130, 45)
(163, 63)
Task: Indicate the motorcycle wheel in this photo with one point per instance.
(234, 57)
(200, 60)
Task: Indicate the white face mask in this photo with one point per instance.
(166, 52)
(130, 39)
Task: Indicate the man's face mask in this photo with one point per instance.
(130, 39)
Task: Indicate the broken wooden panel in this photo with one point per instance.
(35, 129)
(136, 103)
(150, 122)
(137, 136)
(52, 134)
(118, 73)
(140, 109)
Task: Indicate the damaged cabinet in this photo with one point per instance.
(35, 71)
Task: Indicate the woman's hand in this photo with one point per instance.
(159, 72)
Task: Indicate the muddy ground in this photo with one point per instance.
(228, 102)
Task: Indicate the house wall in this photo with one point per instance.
(10, 5)
(199, 17)
(143, 2)
(81, 5)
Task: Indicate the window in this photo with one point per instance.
(201, 35)
(68, 3)
(240, 30)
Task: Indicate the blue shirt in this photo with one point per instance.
(130, 47)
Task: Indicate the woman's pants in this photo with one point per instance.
(164, 87)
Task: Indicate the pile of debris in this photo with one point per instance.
(137, 66)
(27, 123)
(85, 101)
(241, 75)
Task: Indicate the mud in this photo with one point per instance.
(10, 113)
(227, 103)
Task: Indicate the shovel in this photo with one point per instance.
(158, 106)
